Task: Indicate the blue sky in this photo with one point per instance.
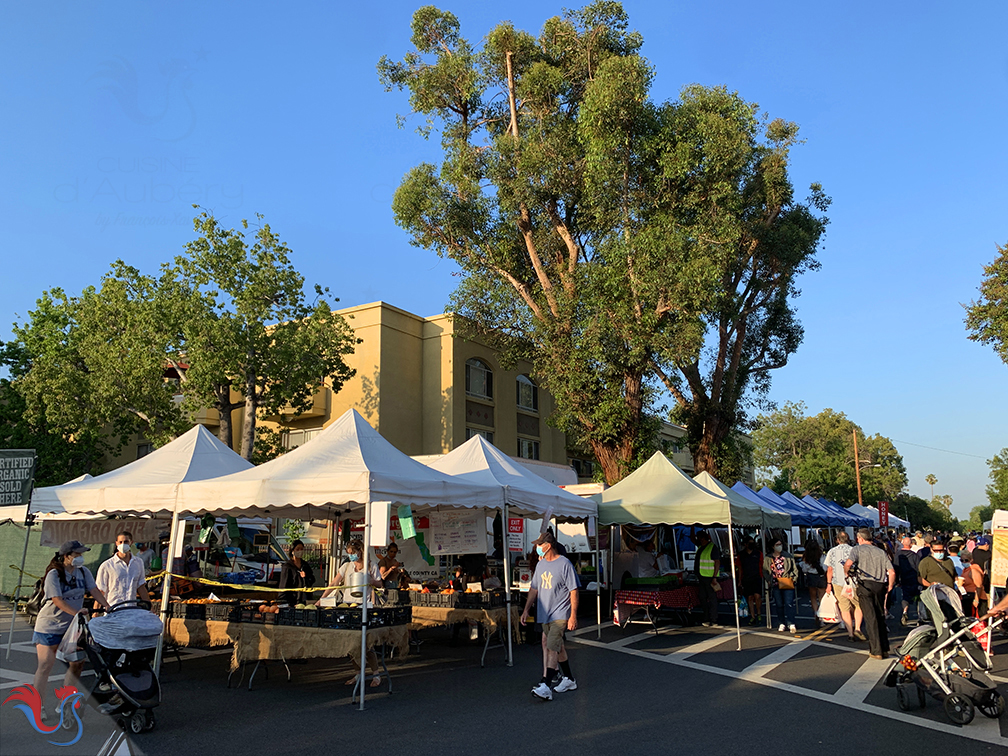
(118, 116)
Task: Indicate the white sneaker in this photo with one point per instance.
(781, 629)
(543, 691)
(793, 629)
(565, 684)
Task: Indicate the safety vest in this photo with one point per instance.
(706, 562)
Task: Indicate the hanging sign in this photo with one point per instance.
(524, 576)
(406, 525)
(458, 531)
(883, 514)
(516, 534)
(17, 472)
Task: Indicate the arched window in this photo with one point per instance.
(478, 379)
(528, 394)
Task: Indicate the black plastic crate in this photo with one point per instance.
(253, 616)
(400, 615)
(223, 612)
(305, 617)
(190, 611)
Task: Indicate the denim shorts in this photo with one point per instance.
(47, 639)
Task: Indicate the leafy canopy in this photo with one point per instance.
(987, 317)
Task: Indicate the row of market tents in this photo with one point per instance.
(340, 472)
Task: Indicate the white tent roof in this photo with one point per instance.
(658, 492)
(526, 493)
(347, 465)
(873, 514)
(771, 517)
(147, 486)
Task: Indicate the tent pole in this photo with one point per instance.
(29, 520)
(598, 578)
(766, 585)
(364, 598)
(165, 589)
(507, 586)
(731, 552)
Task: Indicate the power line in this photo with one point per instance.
(934, 448)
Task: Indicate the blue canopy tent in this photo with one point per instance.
(812, 517)
(853, 520)
(799, 515)
(832, 519)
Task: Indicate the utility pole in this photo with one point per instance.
(857, 468)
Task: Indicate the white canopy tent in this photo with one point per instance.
(873, 514)
(148, 486)
(343, 469)
(660, 493)
(525, 494)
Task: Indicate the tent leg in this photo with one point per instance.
(165, 589)
(507, 588)
(598, 578)
(29, 519)
(731, 552)
(364, 600)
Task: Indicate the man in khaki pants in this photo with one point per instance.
(836, 582)
(554, 589)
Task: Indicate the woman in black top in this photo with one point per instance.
(296, 573)
(751, 567)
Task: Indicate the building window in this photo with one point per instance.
(584, 468)
(478, 379)
(144, 449)
(528, 449)
(528, 394)
(292, 439)
(488, 435)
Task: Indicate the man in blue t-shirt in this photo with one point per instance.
(554, 589)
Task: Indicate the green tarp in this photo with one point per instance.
(12, 535)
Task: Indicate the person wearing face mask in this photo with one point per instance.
(355, 551)
(936, 567)
(296, 573)
(781, 572)
(121, 578)
(66, 581)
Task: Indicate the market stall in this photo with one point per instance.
(347, 470)
(659, 493)
(524, 494)
(679, 599)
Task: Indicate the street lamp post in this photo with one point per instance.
(857, 467)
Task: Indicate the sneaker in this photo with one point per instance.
(565, 684)
(43, 714)
(705, 624)
(860, 636)
(793, 629)
(543, 691)
(781, 629)
(753, 622)
(903, 620)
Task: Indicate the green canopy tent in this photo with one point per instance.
(660, 493)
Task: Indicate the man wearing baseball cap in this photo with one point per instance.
(554, 589)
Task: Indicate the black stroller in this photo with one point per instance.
(120, 646)
(944, 659)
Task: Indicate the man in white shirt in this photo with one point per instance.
(121, 578)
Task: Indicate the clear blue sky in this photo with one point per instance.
(118, 116)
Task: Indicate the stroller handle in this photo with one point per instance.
(133, 604)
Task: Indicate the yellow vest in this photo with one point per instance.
(706, 562)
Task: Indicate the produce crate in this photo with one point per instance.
(449, 600)
(305, 617)
(401, 615)
(224, 612)
(252, 615)
(182, 610)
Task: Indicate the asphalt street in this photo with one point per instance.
(677, 689)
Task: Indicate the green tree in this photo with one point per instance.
(815, 455)
(94, 364)
(931, 480)
(997, 489)
(921, 514)
(60, 457)
(987, 317)
(254, 331)
(594, 227)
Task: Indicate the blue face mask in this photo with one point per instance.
(938, 554)
(540, 551)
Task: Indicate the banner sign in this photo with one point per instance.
(883, 514)
(57, 532)
(17, 472)
(516, 534)
(413, 552)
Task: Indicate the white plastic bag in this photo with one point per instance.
(829, 609)
(67, 651)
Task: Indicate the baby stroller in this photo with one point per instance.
(944, 659)
(120, 646)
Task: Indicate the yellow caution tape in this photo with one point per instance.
(252, 587)
(23, 572)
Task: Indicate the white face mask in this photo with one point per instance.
(123, 548)
(78, 561)
(778, 548)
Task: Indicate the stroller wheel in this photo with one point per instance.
(149, 724)
(992, 705)
(137, 722)
(959, 709)
(902, 697)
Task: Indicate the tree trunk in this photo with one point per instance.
(709, 431)
(224, 407)
(249, 420)
(617, 457)
(614, 459)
